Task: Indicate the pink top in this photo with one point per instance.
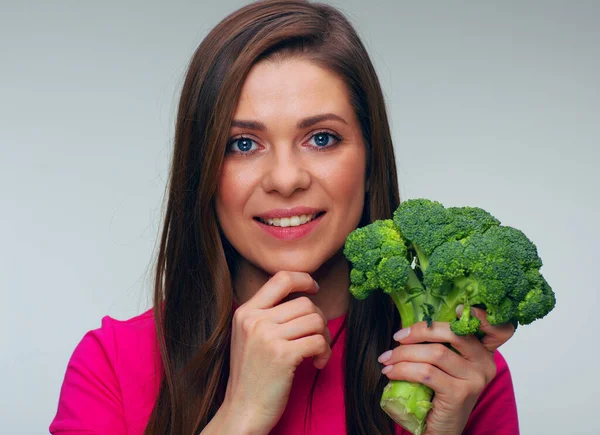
(112, 381)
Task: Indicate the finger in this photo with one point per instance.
(304, 326)
(439, 332)
(435, 354)
(297, 308)
(293, 309)
(281, 285)
(422, 373)
(495, 336)
(314, 346)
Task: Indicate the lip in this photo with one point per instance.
(289, 212)
(291, 233)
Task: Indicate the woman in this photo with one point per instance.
(282, 148)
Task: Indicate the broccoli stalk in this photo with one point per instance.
(430, 259)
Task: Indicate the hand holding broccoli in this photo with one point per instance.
(456, 368)
(430, 260)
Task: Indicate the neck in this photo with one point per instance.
(333, 278)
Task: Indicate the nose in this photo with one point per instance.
(286, 173)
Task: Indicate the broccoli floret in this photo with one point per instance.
(430, 259)
(378, 254)
(467, 324)
(538, 301)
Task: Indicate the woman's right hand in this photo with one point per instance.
(268, 342)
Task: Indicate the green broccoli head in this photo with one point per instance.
(379, 258)
(425, 223)
(428, 224)
(469, 220)
(393, 273)
(496, 269)
(460, 255)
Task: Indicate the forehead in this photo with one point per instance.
(292, 87)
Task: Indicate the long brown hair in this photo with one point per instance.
(193, 293)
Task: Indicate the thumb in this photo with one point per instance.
(494, 336)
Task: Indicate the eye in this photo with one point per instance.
(241, 145)
(324, 139)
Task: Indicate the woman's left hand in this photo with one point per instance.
(457, 379)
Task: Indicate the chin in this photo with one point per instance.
(308, 263)
(290, 266)
(293, 262)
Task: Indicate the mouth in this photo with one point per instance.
(291, 221)
(290, 227)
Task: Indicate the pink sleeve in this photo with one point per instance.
(90, 397)
(496, 409)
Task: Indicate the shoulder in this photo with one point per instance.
(143, 320)
(117, 337)
(141, 327)
(121, 354)
(117, 347)
(129, 346)
(111, 378)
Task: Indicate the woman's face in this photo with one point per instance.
(292, 185)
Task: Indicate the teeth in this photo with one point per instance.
(293, 221)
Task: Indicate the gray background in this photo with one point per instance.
(494, 104)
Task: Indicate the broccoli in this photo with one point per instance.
(430, 259)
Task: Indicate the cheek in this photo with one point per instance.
(234, 185)
(226, 192)
(345, 179)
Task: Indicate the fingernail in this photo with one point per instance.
(384, 356)
(317, 284)
(386, 369)
(460, 308)
(402, 334)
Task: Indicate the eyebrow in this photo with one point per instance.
(304, 123)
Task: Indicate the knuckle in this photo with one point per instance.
(248, 324)
(418, 327)
(479, 384)
(306, 304)
(399, 353)
(284, 278)
(318, 321)
(427, 373)
(262, 326)
(239, 315)
(438, 352)
(456, 340)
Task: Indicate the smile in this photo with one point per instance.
(291, 221)
(290, 225)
